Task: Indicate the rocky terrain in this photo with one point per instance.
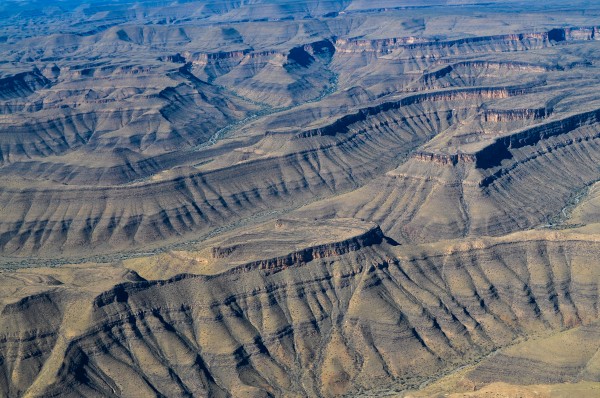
(299, 198)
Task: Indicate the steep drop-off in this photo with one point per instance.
(319, 326)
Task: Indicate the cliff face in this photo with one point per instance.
(492, 155)
(205, 59)
(153, 133)
(340, 126)
(575, 33)
(371, 237)
(487, 191)
(58, 122)
(388, 131)
(427, 79)
(444, 159)
(528, 40)
(298, 198)
(504, 115)
(342, 165)
(22, 84)
(304, 65)
(253, 331)
(224, 61)
(412, 43)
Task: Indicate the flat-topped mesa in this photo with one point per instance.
(202, 59)
(445, 159)
(509, 115)
(532, 39)
(430, 77)
(376, 45)
(502, 65)
(386, 46)
(303, 55)
(340, 126)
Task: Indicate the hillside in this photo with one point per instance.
(299, 198)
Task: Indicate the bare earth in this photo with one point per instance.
(218, 198)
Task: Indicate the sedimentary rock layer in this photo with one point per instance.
(327, 326)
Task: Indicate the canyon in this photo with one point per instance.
(299, 198)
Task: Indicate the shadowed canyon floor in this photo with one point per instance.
(299, 198)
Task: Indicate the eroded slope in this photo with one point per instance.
(299, 199)
(323, 320)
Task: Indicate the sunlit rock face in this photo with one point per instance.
(299, 198)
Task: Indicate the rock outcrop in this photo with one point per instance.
(284, 333)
